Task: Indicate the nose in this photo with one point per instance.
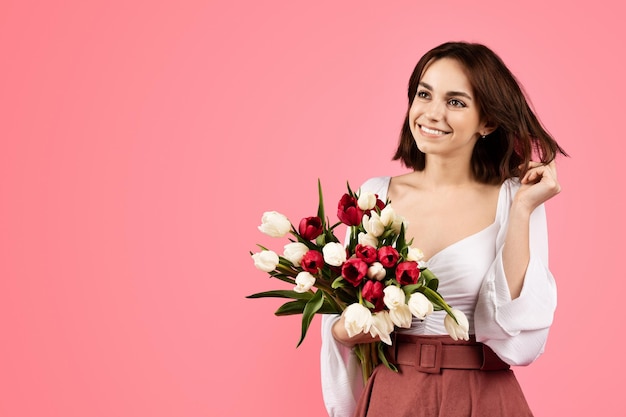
(435, 110)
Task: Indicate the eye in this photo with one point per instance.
(456, 103)
(422, 94)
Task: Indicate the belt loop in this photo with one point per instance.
(428, 356)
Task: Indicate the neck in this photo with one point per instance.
(447, 172)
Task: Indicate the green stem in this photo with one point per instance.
(368, 356)
(286, 270)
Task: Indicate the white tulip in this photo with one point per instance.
(376, 271)
(334, 253)
(373, 225)
(420, 306)
(266, 260)
(387, 215)
(382, 326)
(415, 254)
(357, 319)
(401, 316)
(275, 224)
(367, 240)
(304, 282)
(394, 297)
(456, 330)
(294, 252)
(399, 312)
(367, 200)
(398, 221)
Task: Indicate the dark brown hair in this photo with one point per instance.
(502, 104)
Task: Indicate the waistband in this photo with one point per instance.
(430, 354)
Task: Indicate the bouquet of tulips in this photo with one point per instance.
(376, 279)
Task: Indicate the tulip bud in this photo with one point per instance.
(394, 297)
(334, 253)
(401, 316)
(407, 272)
(388, 256)
(304, 282)
(310, 227)
(357, 319)
(376, 271)
(382, 326)
(367, 239)
(367, 200)
(373, 225)
(274, 224)
(458, 329)
(415, 254)
(266, 260)
(387, 215)
(294, 252)
(420, 306)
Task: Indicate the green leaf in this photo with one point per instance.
(312, 307)
(437, 300)
(433, 284)
(297, 307)
(291, 307)
(320, 206)
(339, 282)
(282, 294)
(401, 242)
(283, 277)
(350, 190)
(335, 225)
(410, 289)
(383, 357)
(427, 275)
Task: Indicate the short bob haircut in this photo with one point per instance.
(518, 134)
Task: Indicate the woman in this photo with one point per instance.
(474, 206)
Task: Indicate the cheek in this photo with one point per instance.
(412, 118)
(462, 121)
(414, 112)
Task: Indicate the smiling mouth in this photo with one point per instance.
(430, 131)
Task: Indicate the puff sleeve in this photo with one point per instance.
(517, 330)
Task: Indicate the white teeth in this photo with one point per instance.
(432, 131)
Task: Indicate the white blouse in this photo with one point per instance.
(471, 278)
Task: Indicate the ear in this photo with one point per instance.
(487, 128)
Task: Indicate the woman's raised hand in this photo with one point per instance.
(538, 185)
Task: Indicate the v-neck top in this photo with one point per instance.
(459, 266)
(472, 279)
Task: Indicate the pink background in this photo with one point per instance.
(142, 140)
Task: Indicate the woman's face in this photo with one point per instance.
(444, 116)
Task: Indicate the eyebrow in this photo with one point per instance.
(449, 93)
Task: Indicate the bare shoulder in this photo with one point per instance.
(404, 185)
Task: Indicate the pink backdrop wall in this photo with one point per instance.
(142, 140)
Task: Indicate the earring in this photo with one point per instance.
(484, 136)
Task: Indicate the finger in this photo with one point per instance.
(552, 166)
(534, 166)
(537, 174)
(530, 177)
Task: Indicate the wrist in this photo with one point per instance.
(522, 208)
(340, 334)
